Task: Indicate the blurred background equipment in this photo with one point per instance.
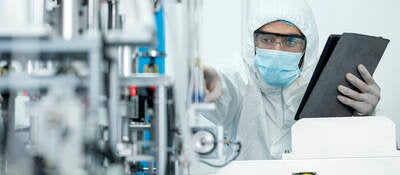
(84, 90)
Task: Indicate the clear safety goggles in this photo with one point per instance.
(290, 43)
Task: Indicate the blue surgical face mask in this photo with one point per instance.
(277, 68)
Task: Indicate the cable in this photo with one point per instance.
(226, 163)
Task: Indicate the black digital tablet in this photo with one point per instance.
(342, 54)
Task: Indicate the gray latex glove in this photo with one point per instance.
(365, 102)
(213, 84)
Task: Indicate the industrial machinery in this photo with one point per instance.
(84, 89)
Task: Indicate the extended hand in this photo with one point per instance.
(363, 102)
(213, 89)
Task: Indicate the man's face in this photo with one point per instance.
(280, 36)
(291, 44)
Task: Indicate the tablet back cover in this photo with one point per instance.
(341, 55)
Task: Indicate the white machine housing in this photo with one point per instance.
(345, 145)
(343, 137)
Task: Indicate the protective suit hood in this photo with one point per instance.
(298, 12)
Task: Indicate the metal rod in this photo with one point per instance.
(115, 123)
(161, 130)
(93, 15)
(10, 127)
(38, 10)
(95, 82)
(114, 117)
(125, 62)
(113, 14)
(69, 18)
(143, 80)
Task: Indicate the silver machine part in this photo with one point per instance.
(2, 132)
(204, 142)
(208, 142)
(93, 15)
(161, 130)
(38, 11)
(125, 62)
(69, 18)
(132, 111)
(24, 14)
(115, 117)
(113, 19)
(115, 120)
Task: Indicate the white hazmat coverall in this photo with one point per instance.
(252, 112)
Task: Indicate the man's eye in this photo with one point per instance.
(267, 40)
(291, 42)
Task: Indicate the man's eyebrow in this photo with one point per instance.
(282, 34)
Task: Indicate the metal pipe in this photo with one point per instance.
(69, 18)
(38, 10)
(115, 122)
(161, 135)
(125, 62)
(93, 15)
(96, 85)
(113, 14)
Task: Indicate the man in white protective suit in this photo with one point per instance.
(257, 98)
